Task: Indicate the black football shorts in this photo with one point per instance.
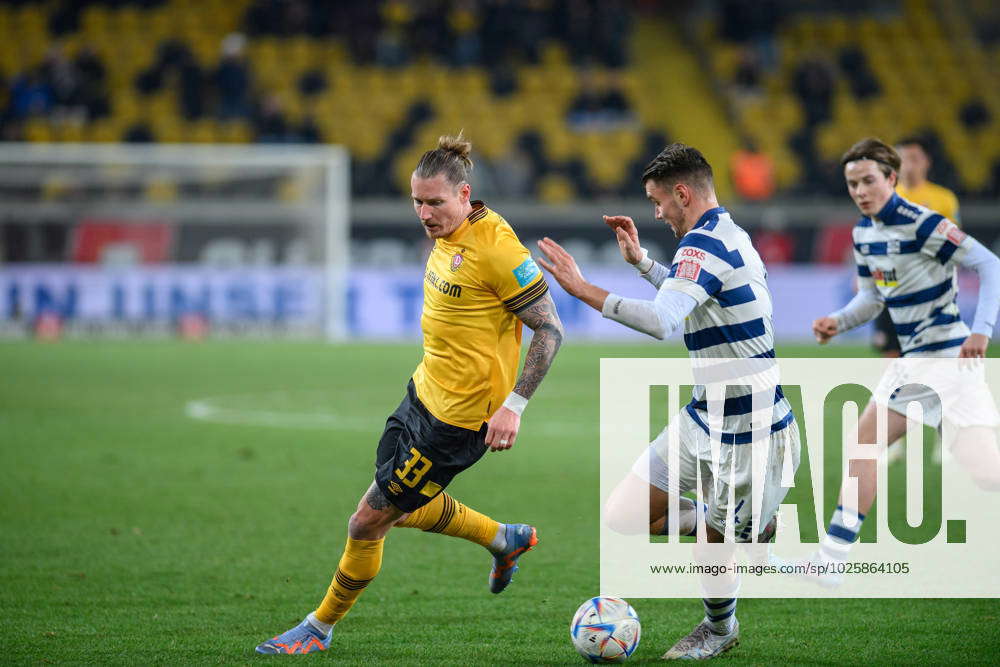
(418, 454)
(884, 339)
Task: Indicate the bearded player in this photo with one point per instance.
(480, 288)
(715, 288)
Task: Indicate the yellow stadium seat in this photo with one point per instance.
(38, 130)
(367, 145)
(202, 132)
(71, 132)
(554, 55)
(169, 129)
(102, 131)
(555, 189)
(235, 132)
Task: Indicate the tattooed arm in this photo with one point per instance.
(542, 318)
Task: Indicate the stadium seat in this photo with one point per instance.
(937, 68)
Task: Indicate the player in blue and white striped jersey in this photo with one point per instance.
(717, 286)
(906, 259)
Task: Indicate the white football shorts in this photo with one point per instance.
(778, 453)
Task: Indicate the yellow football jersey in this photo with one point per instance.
(474, 280)
(935, 197)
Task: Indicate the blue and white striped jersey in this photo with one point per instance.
(909, 253)
(717, 265)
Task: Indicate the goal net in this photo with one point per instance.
(134, 238)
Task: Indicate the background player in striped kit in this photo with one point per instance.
(906, 257)
(717, 286)
(913, 186)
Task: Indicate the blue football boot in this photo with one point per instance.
(520, 538)
(303, 638)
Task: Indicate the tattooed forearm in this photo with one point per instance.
(543, 319)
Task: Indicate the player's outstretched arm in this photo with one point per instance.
(628, 237)
(864, 307)
(658, 318)
(563, 268)
(628, 242)
(824, 328)
(543, 319)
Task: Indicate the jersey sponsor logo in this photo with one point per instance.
(456, 261)
(395, 489)
(443, 286)
(526, 272)
(693, 252)
(906, 211)
(885, 278)
(688, 270)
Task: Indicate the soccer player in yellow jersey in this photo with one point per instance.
(480, 288)
(913, 184)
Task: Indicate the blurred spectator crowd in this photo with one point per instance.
(563, 98)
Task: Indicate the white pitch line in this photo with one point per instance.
(208, 410)
(203, 410)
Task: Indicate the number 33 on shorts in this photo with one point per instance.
(414, 470)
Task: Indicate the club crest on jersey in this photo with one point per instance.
(456, 261)
(885, 278)
(688, 270)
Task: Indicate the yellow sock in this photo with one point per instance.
(360, 563)
(446, 515)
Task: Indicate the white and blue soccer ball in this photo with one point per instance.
(605, 629)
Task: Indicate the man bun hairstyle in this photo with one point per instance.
(873, 148)
(679, 163)
(451, 158)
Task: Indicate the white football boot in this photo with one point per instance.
(703, 643)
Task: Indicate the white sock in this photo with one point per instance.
(845, 524)
(318, 624)
(720, 614)
(832, 551)
(499, 542)
(687, 518)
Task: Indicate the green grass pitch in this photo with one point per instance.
(135, 534)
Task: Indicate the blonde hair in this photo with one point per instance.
(451, 158)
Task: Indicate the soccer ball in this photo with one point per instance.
(605, 629)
